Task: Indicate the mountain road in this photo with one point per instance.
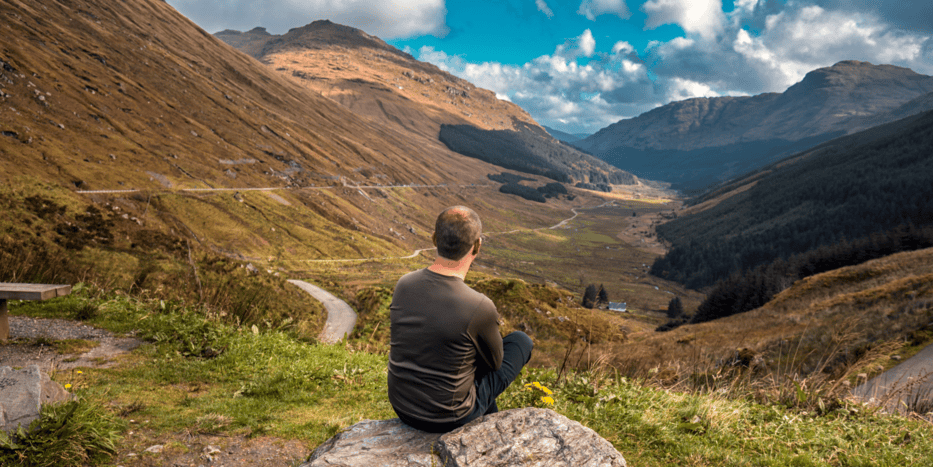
(340, 317)
(895, 389)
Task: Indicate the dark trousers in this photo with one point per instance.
(516, 351)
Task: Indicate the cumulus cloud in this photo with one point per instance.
(386, 19)
(795, 42)
(593, 8)
(701, 17)
(761, 48)
(543, 8)
(557, 90)
(909, 15)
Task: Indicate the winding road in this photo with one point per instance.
(895, 389)
(340, 317)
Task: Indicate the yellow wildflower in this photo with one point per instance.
(548, 400)
(67, 386)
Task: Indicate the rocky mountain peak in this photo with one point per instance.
(325, 33)
(847, 76)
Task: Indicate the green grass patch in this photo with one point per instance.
(199, 375)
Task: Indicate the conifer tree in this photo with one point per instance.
(589, 296)
(602, 297)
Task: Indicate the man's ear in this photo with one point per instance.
(476, 245)
(434, 238)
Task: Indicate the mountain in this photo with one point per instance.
(132, 96)
(698, 142)
(845, 201)
(251, 42)
(565, 137)
(375, 80)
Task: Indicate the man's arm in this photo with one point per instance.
(485, 332)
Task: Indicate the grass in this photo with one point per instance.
(263, 381)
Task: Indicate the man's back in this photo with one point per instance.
(442, 332)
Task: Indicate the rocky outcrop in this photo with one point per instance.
(520, 437)
(22, 393)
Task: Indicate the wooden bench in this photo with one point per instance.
(9, 291)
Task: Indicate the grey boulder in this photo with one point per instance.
(519, 437)
(22, 393)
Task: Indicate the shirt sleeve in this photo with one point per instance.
(484, 329)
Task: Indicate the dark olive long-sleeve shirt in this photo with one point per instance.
(442, 332)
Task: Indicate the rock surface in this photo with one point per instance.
(520, 437)
(22, 393)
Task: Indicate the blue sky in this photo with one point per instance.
(580, 65)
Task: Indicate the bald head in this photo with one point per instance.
(456, 232)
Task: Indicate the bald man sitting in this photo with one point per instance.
(447, 361)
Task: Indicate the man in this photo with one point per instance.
(447, 360)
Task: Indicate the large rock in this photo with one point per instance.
(22, 393)
(520, 437)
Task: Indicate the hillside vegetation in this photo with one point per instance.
(268, 383)
(871, 183)
(831, 325)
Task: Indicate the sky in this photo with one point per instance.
(581, 65)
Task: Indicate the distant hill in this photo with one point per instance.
(699, 142)
(565, 137)
(380, 82)
(853, 197)
(252, 42)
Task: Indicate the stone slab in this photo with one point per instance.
(22, 394)
(527, 437)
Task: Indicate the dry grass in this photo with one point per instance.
(808, 347)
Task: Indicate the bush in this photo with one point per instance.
(526, 192)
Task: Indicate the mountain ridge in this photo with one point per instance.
(706, 140)
(377, 81)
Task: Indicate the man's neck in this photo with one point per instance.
(450, 267)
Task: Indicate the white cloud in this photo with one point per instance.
(386, 19)
(543, 8)
(679, 89)
(583, 45)
(581, 97)
(795, 42)
(593, 8)
(703, 17)
(760, 46)
(622, 47)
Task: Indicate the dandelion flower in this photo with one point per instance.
(548, 400)
(67, 386)
(80, 372)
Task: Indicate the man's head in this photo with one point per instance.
(457, 232)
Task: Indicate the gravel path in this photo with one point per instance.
(23, 349)
(340, 317)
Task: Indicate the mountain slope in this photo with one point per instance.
(378, 81)
(868, 183)
(133, 96)
(700, 141)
